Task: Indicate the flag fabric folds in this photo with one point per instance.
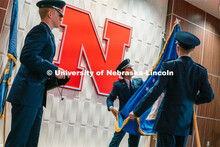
(144, 124)
(12, 58)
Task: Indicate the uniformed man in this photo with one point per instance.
(123, 89)
(189, 85)
(26, 94)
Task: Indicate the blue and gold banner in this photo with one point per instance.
(144, 124)
(12, 58)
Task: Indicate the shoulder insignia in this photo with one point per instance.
(200, 65)
(168, 60)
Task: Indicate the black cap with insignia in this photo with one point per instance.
(56, 4)
(124, 64)
(187, 40)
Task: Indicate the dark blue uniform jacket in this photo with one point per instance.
(121, 90)
(188, 85)
(36, 59)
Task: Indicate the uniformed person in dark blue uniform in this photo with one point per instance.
(123, 89)
(26, 94)
(187, 86)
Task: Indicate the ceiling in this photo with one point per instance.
(210, 6)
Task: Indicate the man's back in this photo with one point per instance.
(189, 84)
(177, 105)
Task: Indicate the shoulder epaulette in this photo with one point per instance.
(116, 81)
(200, 65)
(168, 60)
(137, 78)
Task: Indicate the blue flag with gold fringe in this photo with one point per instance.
(144, 124)
(12, 58)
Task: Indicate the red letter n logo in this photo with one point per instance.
(80, 40)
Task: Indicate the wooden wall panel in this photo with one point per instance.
(2, 17)
(168, 26)
(4, 4)
(189, 141)
(153, 142)
(170, 6)
(209, 131)
(211, 58)
(211, 109)
(213, 24)
(189, 12)
(3, 10)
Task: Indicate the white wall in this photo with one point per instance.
(82, 119)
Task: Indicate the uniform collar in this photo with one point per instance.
(126, 80)
(185, 58)
(47, 26)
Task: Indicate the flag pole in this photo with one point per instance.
(196, 129)
(5, 107)
(4, 130)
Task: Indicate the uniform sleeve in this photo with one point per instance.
(34, 44)
(205, 93)
(142, 82)
(153, 94)
(111, 97)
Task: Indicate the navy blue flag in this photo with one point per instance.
(12, 58)
(144, 124)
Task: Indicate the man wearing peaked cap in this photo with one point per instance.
(124, 64)
(28, 89)
(187, 86)
(187, 40)
(56, 4)
(123, 89)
